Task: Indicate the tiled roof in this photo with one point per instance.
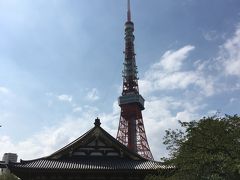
(87, 164)
(96, 150)
(2, 165)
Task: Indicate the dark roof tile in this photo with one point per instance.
(86, 164)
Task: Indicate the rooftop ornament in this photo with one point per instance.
(97, 122)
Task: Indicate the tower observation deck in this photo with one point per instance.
(131, 131)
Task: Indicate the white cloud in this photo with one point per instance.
(172, 60)
(230, 54)
(92, 95)
(4, 90)
(162, 114)
(77, 109)
(212, 35)
(169, 74)
(186, 115)
(50, 139)
(232, 100)
(65, 97)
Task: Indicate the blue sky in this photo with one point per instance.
(61, 63)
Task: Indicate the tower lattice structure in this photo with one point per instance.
(131, 131)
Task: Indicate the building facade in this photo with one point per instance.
(10, 157)
(7, 158)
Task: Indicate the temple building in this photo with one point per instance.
(96, 155)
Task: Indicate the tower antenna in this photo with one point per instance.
(129, 11)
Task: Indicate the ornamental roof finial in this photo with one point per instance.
(97, 122)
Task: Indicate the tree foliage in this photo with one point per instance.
(205, 149)
(8, 176)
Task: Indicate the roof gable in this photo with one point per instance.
(95, 143)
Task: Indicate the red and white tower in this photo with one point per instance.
(131, 130)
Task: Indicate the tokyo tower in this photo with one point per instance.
(131, 131)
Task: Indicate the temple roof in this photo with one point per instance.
(94, 150)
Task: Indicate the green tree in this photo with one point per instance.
(8, 177)
(204, 149)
